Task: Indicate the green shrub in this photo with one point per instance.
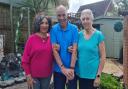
(110, 82)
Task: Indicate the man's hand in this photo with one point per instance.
(69, 73)
(72, 74)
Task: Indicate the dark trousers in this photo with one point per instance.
(86, 83)
(60, 82)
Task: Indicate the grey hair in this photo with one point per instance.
(87, 12)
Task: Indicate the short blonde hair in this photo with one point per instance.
(87, 12)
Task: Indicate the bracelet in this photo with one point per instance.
(28, 77)
(72, 67)
(61, 65)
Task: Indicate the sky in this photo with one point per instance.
(75, 4)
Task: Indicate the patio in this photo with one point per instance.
(111, 67)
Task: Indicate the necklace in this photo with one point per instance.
(43, 37)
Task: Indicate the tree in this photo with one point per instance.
(121, 4)
(38, 5)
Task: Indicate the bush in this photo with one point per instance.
(110, 82)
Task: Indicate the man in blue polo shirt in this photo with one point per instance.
(64, 37)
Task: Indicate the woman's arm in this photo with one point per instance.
(101, 65)
(102, 57)
(26, 57)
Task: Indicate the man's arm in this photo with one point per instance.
(73, 58)
(65, 71)
(55, 48)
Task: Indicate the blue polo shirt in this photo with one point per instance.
(88, 55)
(64, 38)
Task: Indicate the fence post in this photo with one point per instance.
(125, 47)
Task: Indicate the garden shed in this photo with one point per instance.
(113, 38)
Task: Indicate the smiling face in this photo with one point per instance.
(62, 15)
(87, 19)
(86, 22)
(44, 26)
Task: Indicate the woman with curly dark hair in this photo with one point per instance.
(37, 60)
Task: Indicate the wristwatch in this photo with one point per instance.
(98, 76)
(61, 65)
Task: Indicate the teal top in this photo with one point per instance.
(88, 55)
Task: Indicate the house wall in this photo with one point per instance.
(113, 39)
